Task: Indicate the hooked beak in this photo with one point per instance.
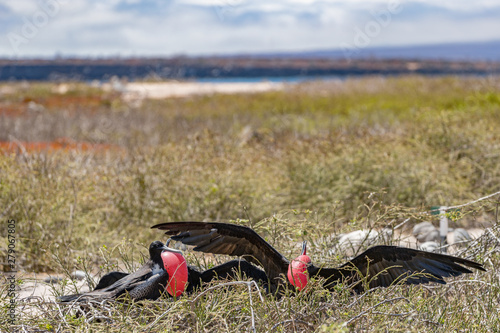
(169, 249)
(304, 248)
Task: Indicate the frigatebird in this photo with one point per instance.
(381, 265)
(166, 270)
(148, 282)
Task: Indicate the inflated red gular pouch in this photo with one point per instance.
(176, 266)
(297, 270)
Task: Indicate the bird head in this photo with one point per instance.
(155, 250)
(297, 269)
(176, 266)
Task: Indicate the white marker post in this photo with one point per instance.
(443, 224)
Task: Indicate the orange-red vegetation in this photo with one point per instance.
(89, 103)
(61, 144)
(12, 110)
(56, 102)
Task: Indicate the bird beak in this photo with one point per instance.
(304, 248)
(169, 249)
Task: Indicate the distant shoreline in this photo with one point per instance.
(234, 69)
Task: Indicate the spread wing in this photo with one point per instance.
(386, 265)
(229, 239)
(140, 284)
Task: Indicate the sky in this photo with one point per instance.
(103, 28)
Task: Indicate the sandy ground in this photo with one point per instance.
(159, 90)
(39, 285)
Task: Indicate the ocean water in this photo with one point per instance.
(277, 79)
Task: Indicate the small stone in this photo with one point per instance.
(425, 232)
(430, 246)
(52, 279)
(78, 275)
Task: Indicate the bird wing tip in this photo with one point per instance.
(480, 268)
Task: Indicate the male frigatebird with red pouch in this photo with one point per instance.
(148, 282)
(166, 270)
(381, 265)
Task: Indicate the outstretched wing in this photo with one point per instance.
(229, 239)
(140, 284)
(386, 265)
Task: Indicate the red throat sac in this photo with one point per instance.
(297, 270)
(176, 267)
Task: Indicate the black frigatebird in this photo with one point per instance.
(381, 265)
(148, 282)
(165, 270)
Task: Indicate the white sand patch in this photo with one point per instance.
(34, 294)
(38, 287)
(159, 90)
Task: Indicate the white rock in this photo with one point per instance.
(430, 246)
(426, 232)
(78, 275)
(350, 243)
(460, 235)
(53, 279)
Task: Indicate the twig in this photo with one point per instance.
(97, 315)
(393, 314)
(249, 286)
(62, 316)
(466, 204)
(373, 307)
(401, 224)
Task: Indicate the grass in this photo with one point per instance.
(304, 163)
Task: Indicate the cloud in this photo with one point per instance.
(156, 27)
